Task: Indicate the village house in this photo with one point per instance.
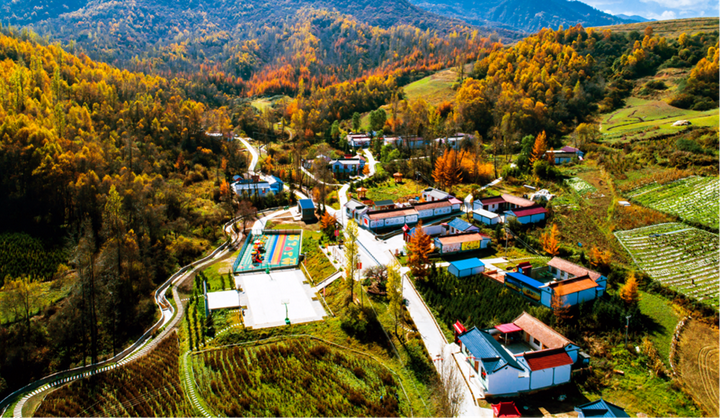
(348, 166)
(450, 244)
(467, 267)
(358, 140)
(255, 186)
(485, 216)
(459, 226)
(454, 141)
(355, 210)
(397, 217)
(573, 284)
(432, 194)
(522, 356)
(437, 208)
(564, 155)
(500, 204)
(525, 216)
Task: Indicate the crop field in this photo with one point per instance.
(580, 185)
(698, 364)
(648, 118)
(148, 387)
(678, 256)
(694, 199)
(294, 378)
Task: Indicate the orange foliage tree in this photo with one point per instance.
(550, 241)
(419, 249)
(539, 148)
(629, 291)
(448, 170)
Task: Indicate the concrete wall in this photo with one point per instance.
(506, 381)
(541, 378)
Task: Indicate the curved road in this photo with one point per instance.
(253, 152)
(145, 343)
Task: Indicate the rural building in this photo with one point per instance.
(485, 216)
(431, 230)
(383, 204)
(459, 226)
(223, 300)
(505, 410)
(500, 204)
(525, 285)
(358, 140)
(450, 244)
(252, 187)
(413, 142)
(600, 408)
(451, 141)
(564, 155)
(321, 159)
(347, 166)
(374, 220)
(306, 207)
(524, 355)
(276, 185)
(432, 194)
(562, 270)
(465, 268)
(437, 208)
(572, 291)
(392, 140)
(529, 215)
(355, 209)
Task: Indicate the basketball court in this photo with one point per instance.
(267, 296)
(270, 249)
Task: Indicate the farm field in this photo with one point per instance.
(641, 118)
(294, 378)
(677, 255)
(698, 364)
(580, 185)
(694, 199)
(147, 387)
(669, 28)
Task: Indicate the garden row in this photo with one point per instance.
(676, 255)
(294, 378)
(693, 199)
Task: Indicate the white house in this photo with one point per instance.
(521, 356)
(437, 208)
(358, 140)
(485, 216)
(374, 220)
(432, 194)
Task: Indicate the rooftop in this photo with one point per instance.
(543, 333)
(601, 408)
(546, 359)
(460, 224)
(433, 204)
(528, 211)
(460, 238)
(573, 268)
(491, 200)
(387, 202)
(306, 204)
(568, 148)
(524, 279)
(469, 263)
(486, 213)
(519, 201)
(483, 346)
(391, 213)
(573, 285)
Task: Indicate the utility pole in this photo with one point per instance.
(627, 325)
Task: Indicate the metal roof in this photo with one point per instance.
(460, 224)
(306, 204)
(601, 408)
(528, 211)
(484, 347)
(486, 213)
(525, 279)
(386, 202)
(469, 263)
(547, 359)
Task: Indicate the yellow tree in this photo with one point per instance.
(394, 292)
(366, 170)
(629, 291)
(539, 148)
(600, 259)
(550, 241)
(419, 249)
(269, 165)
(327, 223)
(448, 169)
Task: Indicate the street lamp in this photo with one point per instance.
(627, 325)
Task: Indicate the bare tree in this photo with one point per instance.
(451, 386)
(246, 211)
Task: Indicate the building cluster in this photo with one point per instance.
(257, 185)
(499, 209)
(364, 140)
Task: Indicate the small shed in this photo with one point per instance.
(486, 217)
(306, 207)
(505, 409)
(467, 267)
(600, 408)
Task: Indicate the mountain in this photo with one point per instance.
(527, 16)
(634, 18)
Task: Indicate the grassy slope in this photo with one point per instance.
(663, 312)
(669, 28)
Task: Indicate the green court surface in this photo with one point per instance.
(282, 249)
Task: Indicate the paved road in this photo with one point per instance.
(253, 152)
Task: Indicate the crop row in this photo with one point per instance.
(683, 258)
(294, 378)
(149, 386)
(695, 199)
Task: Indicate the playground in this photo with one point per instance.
(269, 250)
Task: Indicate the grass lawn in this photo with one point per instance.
(219, 274)
(391, 191)
(50, 293)
(434, 89)
(661, 310)
(316, 263)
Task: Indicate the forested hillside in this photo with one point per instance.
(521, 15)
(239, 47)
(105, 160)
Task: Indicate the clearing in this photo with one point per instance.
(668, 28)
(678, 256)
(693, 199)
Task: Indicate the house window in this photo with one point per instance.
(482, 372)
(535, 341)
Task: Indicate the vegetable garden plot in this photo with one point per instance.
(695, 199)
(580, 185)
(677, 255)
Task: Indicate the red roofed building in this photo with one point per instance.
(528, 215)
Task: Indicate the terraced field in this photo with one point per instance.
(695, 199)
(677, 255)
(580, 185)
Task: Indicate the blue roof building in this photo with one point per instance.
(525, 285)
(600, 408)
(458, 226)
(468, 267)
(306, 207)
